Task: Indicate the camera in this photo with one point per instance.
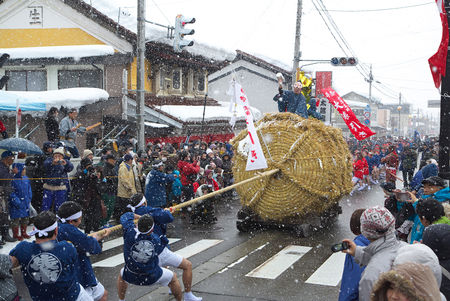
(340, 246)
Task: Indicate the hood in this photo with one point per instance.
(437, 237)
(443, 194)
(176, 172)
(20, 167)
(414, 280)
(422, 254)
(429, 171)
(46, 146)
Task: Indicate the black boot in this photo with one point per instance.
(5, 235)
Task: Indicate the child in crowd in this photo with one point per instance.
(19, 202)
(430, 211)
(352, 271)
(176, 188)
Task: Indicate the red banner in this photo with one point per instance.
(439, 60)
(359, 130)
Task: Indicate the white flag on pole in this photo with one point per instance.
(256, 159)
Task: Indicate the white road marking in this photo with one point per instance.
(242, 258)
(278, 263)
(198, 247)
(115, 260)
(330, 272)
(112, 244)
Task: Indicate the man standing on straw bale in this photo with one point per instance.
(291, 101)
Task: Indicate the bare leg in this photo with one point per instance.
(175, 287)
(186, 266)
(121, 287)
(105, 296)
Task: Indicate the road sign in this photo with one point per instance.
(367, 115)
(367, 122)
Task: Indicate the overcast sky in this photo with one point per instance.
(396, 41)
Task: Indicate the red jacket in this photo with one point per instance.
(187, 169)
(358, 168)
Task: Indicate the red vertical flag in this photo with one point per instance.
(359, 130)
(438, 61)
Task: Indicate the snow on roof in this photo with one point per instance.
(195, 113)
(71, 98)
(155, 125)
(77, 51)
(353, 103)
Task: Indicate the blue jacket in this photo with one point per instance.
(58, 171)
(161, 218)
(20, 198)
(352, 274)
(141, 252)
(442, 196)
(416, 182)
(429, 170)
(155, 187)
(293, 103)
(176, 185)
(84, 244)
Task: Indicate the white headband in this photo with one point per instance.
(70, 218)
(43, 232)
(133, 208)
(138, 232)
(158, 165)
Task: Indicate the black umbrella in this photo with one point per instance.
(20, 145)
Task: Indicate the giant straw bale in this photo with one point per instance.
(315, 165)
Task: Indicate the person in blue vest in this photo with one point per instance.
(352, 271)
(19, 202)
(155, 184)
(162, 217)
(49, 266)
(291, 101)
(140, 249)
(433, 187)
(70, 214)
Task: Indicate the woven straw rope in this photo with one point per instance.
(315, 164)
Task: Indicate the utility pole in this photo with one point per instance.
(140, 77)
(444, 130)
(297, 53)
(399, 112)
(370, 84)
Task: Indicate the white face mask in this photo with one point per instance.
(164, 159)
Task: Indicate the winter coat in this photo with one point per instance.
(110, 174)
(422, 254)
(391, 161)
(293, 103)
(187, 170)
(79, 185)
(429, 170)
(352, 274)
(378, 257)
(176, 185)
(443, 196)
(437, 237)
(358, 168)
(20, 198)
(155, 187)
(52, 128)
(414, 280)
(5, 174)
(56, 175)
(126, 185)
(409, 159)
(416, 182)
(8, 290)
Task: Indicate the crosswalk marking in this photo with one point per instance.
(198, 247)
(330, 272)
(112, 244)
(186, 252)
(242, 258)
(278, 263)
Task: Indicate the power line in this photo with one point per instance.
(378, 9)
(161, 11)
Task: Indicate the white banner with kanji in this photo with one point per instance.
(256, 159)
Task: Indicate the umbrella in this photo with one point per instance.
(20, 145)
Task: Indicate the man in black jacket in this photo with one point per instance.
(110, 192)
(51, 125)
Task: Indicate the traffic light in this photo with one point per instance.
(344, 61)
(180, 32)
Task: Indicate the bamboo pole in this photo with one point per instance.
(220, 191)
(203, 197)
